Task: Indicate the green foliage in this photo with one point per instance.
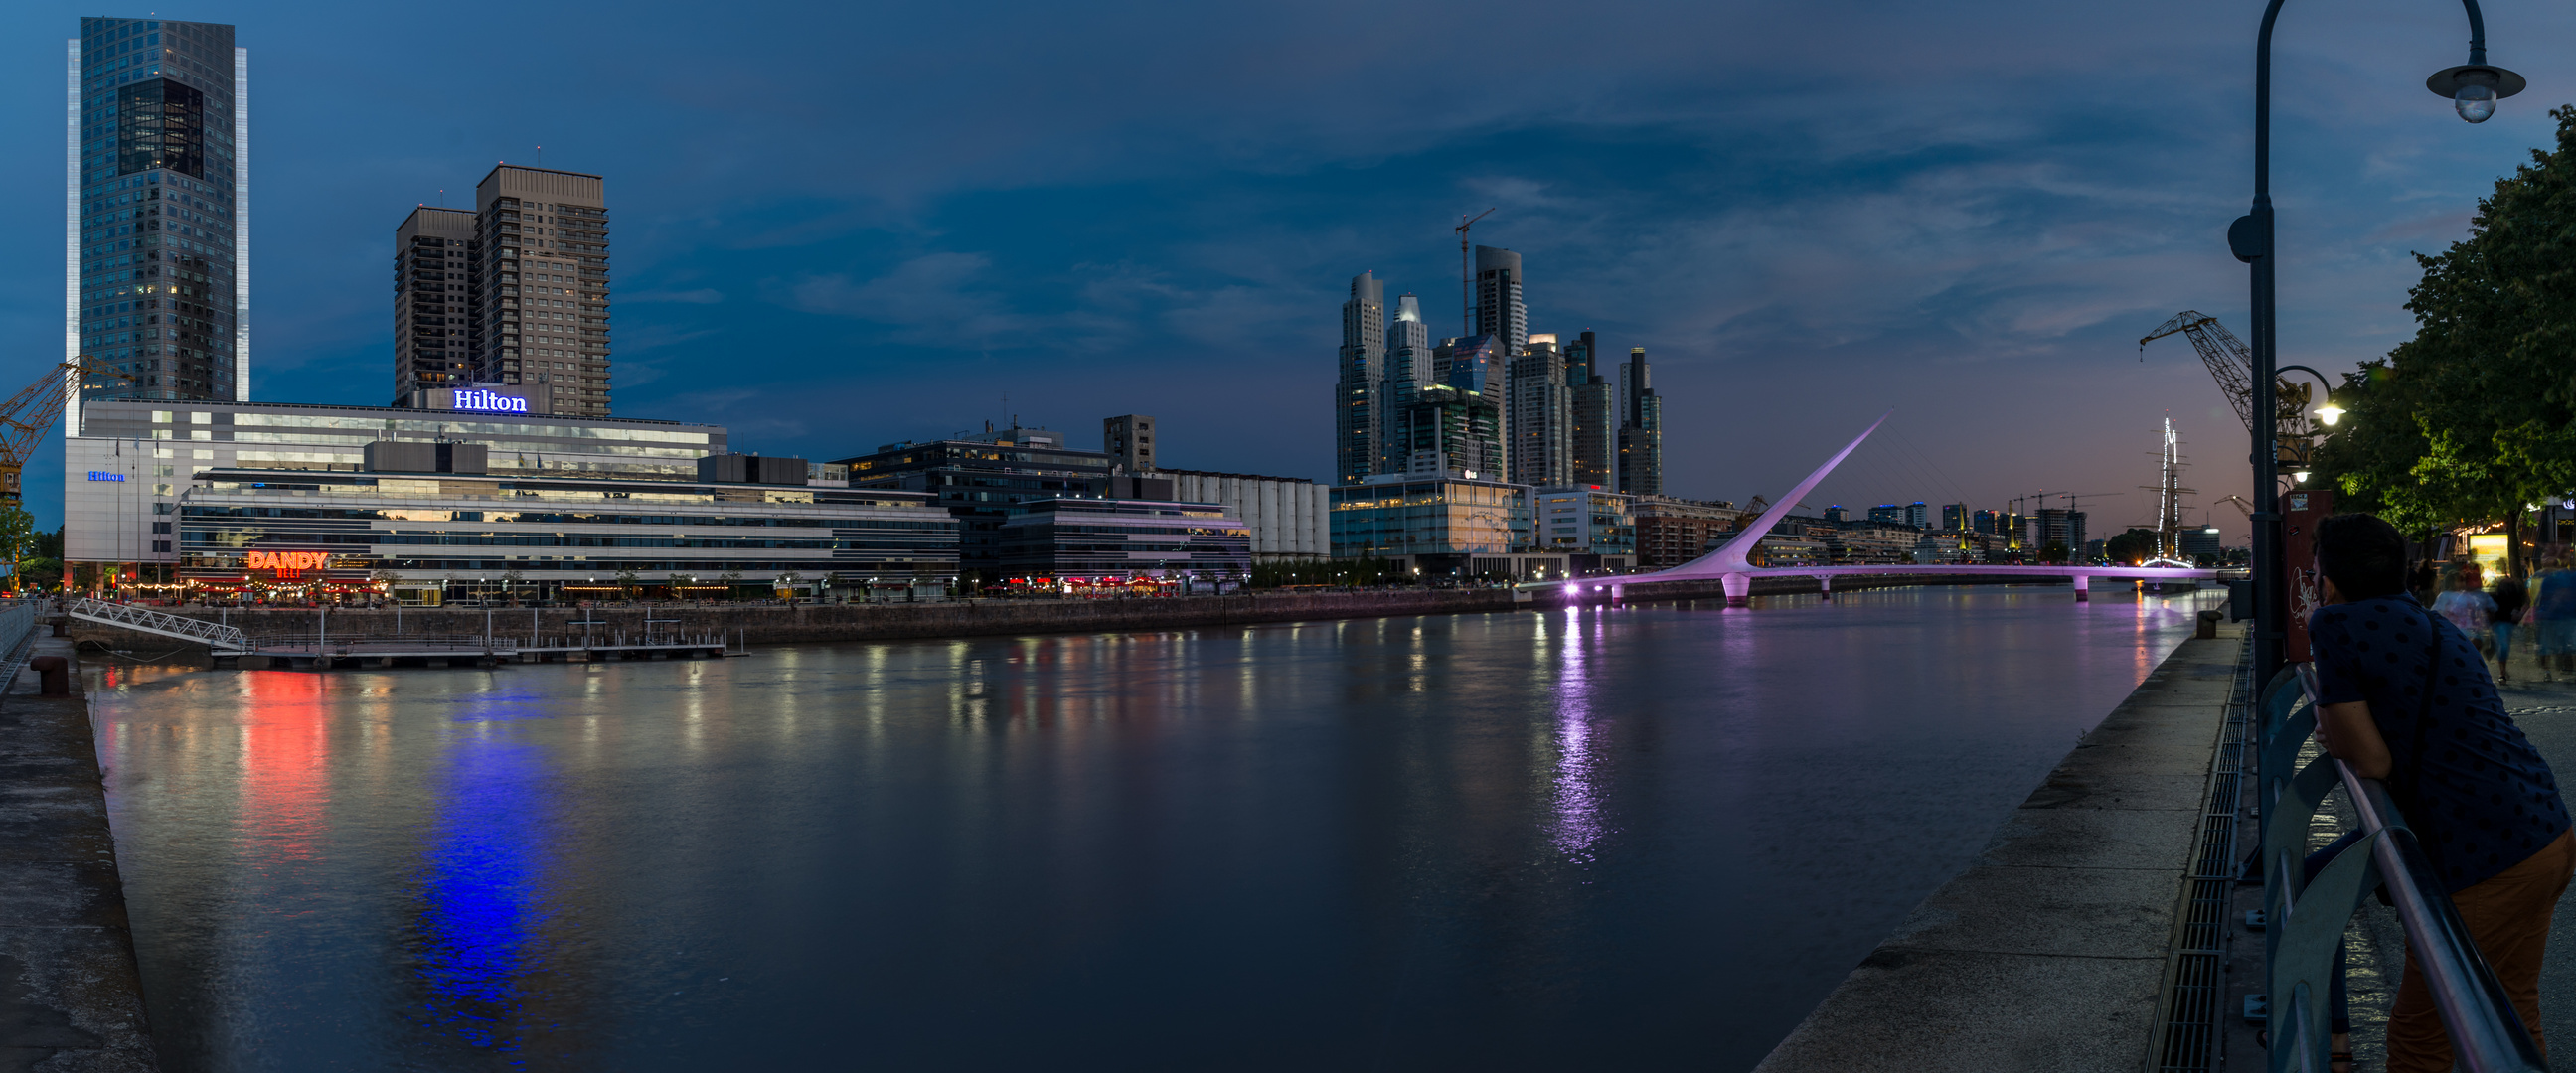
(2054, 554)
(2470, 420)
(2132, 547)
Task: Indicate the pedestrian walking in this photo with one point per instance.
(2511, 601)
(2466, 606)
(2553, 614)
(2403, 697)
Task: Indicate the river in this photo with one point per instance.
(1637, 838)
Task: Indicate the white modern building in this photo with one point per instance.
(1289, 517)
(129, 468)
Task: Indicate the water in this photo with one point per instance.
(1636, 839)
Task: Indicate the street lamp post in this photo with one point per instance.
(2473, 88)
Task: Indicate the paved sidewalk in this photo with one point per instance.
(69, 996)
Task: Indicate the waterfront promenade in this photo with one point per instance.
(808, 622)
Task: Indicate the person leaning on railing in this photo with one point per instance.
(2403, 696)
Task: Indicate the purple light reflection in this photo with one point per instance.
(1576, 827)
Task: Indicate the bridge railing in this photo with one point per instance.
(2305, 918)
(214, 635)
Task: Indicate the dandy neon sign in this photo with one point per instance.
(489, 401)
(290, 561)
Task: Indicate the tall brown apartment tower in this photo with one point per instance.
(436, 304)
(544, 287)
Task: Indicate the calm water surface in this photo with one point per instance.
(1644, 838)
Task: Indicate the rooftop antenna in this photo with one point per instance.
(1467, 272)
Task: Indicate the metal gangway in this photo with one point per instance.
(220, 639)
(2306, 918)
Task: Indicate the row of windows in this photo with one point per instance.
(562, 518)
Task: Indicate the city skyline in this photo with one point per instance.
(2022, 239)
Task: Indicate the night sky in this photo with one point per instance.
(838, 226)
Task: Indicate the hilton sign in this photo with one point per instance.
(490, 402)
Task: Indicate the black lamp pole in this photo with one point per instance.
(2474, 87)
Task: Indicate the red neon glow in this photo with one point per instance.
(289, 560)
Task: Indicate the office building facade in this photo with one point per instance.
(157, 204)
(979, 477)
(437, 307)
(1285, 515)
(1671, 532)
(1597, 527)
(1641, 430)
(1449, 432)
(1501, 309)
(1357, 420)
(1128, 440)
(1443, 526)
(1093, 540)
(124, 473)
(1541, 416)
(1412, 363)
(409, 526)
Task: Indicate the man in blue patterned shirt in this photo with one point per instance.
(2403, 696)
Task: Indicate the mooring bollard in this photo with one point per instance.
(53, 675)
(2208, 628)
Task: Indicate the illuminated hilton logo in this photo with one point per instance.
(489, 402)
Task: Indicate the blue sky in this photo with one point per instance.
(840, 225)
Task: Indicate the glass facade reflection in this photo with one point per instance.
(157, 187)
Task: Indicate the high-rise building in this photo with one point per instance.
(543, 278)
(1641, 430)
(1358, 424)
(436, 304)
(1918, 515)
(1887, 514)
(1541, 416)
(1450, 432)
(1411, 365)
(157, 200)
(1954, 517)
(1595, 420)
(1501, 311)
(1129, 441)
(1983, 521)
(2059, 526)
(1834, 513)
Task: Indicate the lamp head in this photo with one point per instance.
(2330, 413)
(2300, 476)
(2475, 88)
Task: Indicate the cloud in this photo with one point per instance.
(700, 296)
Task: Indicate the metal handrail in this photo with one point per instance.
(2487, 1034)
(160, 622)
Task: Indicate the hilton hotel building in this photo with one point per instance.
(128, 473)
(512, 295)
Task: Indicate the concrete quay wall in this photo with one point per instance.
(70, 995)
(781, 624)
(2049, 951)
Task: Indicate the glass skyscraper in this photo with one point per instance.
(157, 203)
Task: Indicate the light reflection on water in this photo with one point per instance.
(1608, 838)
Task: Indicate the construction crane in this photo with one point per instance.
(25, 418)
(2230, 363)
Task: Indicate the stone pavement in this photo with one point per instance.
(70, 999)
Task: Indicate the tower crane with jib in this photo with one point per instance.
(2232, 365)
(26, 416)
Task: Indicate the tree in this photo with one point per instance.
(2132, 547)
(626, 579)
(17, 535)
(2469, 421)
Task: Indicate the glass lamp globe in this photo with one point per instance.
(2474, 102)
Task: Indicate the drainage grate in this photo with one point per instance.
(2196, 978)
